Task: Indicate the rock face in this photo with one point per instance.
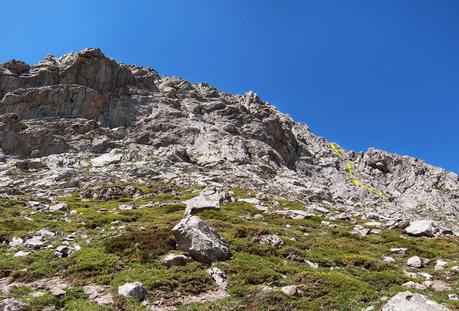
(72, 111)
(407, 301)
(200, 241)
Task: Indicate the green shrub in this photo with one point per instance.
(95, 261)
(143, 245)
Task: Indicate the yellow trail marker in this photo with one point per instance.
(349, 168)
(335, 149)
(355, 180)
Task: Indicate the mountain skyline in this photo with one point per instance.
(365, 75)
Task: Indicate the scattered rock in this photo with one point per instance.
(136, 290)
(63, 251)
(438, 285)
(414, 285)
(295, 214)
(45, 233)
(269, 239)
(21, 254)
(112, 157)
(440, 265)
(398, 251)
(15, 242)
(219, 277)
(421, 227)
(99, 293)
(360, 230)
(175, 260)
(292, 290)
(199, 240)
(207, 200)
(127, 207)
(34, 242)
(312, 264)
(453, 297)
(58, 207)
(254, 201)
(55, 286)
(11, 305)
(414, 262)
(388, 259)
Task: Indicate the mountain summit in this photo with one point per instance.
(81, 125)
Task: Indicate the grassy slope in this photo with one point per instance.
(352, 274)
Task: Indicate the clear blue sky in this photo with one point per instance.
(361, 73)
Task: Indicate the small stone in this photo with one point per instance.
(388, 259)
(58, 207)
(37, 294)
(175, 260)
(21, 254)
(292, 290)
(295, 214)
(127, 207)
(453, 297)
(398, 250)
(438, 286)
(16, 241)
(254, 201)
(414, 262)
(104, 300)
(376, 224)
(440, 265)
(219, 276)
(63, 251)
(34, 242)
(136, 290)
(312, 264)
(425, 275)
(414, 285)
(421, 228)
(375, 231)
(360, 230)
(319, 209)
(45, 233)
(269, 239)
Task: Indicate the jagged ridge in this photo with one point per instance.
(84, 104)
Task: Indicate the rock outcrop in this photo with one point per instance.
(73, 111)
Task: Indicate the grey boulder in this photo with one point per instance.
(207, 200)
(407, 301)
(203, 243)
(135, 289)
(421, 227)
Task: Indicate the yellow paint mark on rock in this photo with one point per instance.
(355, 180)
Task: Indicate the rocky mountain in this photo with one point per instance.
(84, 128)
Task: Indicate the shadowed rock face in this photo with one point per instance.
(84, 104)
